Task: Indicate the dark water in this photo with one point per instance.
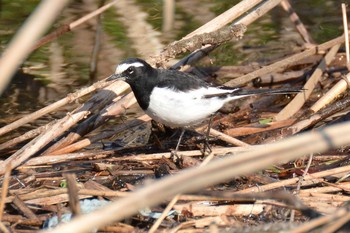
(137, 28)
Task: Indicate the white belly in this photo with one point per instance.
(180, 109)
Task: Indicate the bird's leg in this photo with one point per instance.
(174, 154)
(206, 139)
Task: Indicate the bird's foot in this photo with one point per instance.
(206, 150)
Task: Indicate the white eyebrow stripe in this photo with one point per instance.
(123, 67)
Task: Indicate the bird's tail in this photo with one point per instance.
(278, 91)
(237, 93)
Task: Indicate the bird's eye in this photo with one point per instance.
(130, 70)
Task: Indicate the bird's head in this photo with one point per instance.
(130, 70)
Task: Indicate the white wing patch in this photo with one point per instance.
(123, 67)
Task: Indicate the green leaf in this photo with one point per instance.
(265, 121)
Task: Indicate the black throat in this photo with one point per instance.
(143, 87)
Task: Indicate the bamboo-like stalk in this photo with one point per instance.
(49, 193)
(315, 118)
(20, 46)
(66, 28)
(313, 224)
(285, 62)
(346, 34)
(215, 172)
(332, 94)
(117, 107)
(327, 189)
(4, 190)
(52, 107)
(292, 181)
(299, 100)
(225, 18)
(297, 22)
(255, 9)
(58, 128)
(175, 199)
(105, 134)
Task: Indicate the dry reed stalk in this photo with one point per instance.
(199, 209)
(20, 46)
(116, 108)
(301, 179)
(72, 187)
(336, 224)
(315, 118)
(98, 101)
(52, 107)
(201, 223)
(174, 200)
(255, 128)
(51, 193)
(215, 172)
(119, 228)
(298, 101)
(313, 224)
(4, 189)
(191, 153)
(39, 142)
(222, 136)
(332, 94)
(311, 196)
(292, 181)
(60, 158)
(256, 11)
(225, 18)
(297, 22)
(227, 138)
(66, 28)
(327, 189)
(3, 228)
(285, 62)
(103, 135)
(24, 208)
(346, 34)
(24, 221)
(26, 136)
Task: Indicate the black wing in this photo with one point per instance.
(179, 80)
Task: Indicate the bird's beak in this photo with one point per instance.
(115, 77)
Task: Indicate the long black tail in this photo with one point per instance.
(278, 91)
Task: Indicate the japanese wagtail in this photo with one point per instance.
(177, 99)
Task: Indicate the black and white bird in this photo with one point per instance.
(178, 99)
